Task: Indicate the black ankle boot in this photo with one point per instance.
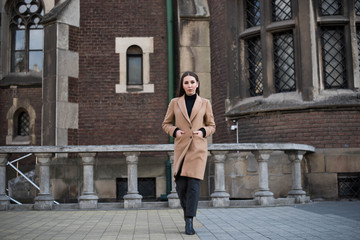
(189, 230)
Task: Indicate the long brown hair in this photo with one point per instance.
(181, 90)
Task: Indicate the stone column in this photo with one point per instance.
(173, 198)
(220, 198)
(264, 196)
(44, 201)
(4, 200)
(88, 199)
(296, 191)
(132, 199)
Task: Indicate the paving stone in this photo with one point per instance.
(314, 221)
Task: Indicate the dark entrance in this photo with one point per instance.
(349, 185)
(146, 188)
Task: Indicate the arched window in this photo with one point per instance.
(134, 65)
(26, 36)
(23, 124)
(134, 68)
(279, 42)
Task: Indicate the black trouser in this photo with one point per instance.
(188, 190)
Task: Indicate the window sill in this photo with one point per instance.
(336, 19)
(18, 140)
(290, 101)
(21, 80)
(134, 88)
(146, 88)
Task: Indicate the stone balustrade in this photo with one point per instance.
(219, 198)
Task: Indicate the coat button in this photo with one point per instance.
(190, 127)
(190, 137)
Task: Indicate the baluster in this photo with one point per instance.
(173, 198)
(44, 201)
(88, 199)
(220, 198)
(296, 191)
(4, 200)
(132, 199)
(263, 196)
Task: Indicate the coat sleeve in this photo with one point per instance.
(210, 126)
(168, 123)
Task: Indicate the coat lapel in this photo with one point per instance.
(196, 107)
(182, 107)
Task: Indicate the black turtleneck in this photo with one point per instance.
(190, 100)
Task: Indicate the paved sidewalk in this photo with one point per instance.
(321, 220)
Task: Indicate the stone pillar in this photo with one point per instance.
(173, 198)
(220, 198)
(296, 191)
(44, 201)
(4, 200)
(88, 199)
(132, 199)
(264, 196)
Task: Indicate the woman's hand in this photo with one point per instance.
(179, 133)
(199, 133)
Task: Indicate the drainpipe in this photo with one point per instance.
(171, 77)
(170, 49)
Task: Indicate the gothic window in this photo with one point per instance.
(284, 62)
(330, 7)
(255, 66)
(279, 42)
(335, 36)
(333, 55)
(23, 124)
(26, 36)
(294, 48)
(357, 7)
(134, 65)
(253, 13)
(358, 39)
(281, 10)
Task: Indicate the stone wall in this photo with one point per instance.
(323, 167)
(66, 176)
(241, 175)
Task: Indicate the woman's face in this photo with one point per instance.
(190, 85)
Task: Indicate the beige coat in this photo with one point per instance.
(190, 147)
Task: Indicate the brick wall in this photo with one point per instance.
(322, 129)
(219, 70)
(106, 117)
(5, 105)
(6, 101)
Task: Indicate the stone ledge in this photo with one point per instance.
(156, 148)
(157, 205)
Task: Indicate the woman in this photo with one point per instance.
(194, 121)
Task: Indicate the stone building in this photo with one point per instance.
(102, 73)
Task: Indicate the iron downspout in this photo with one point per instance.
(171, 77)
